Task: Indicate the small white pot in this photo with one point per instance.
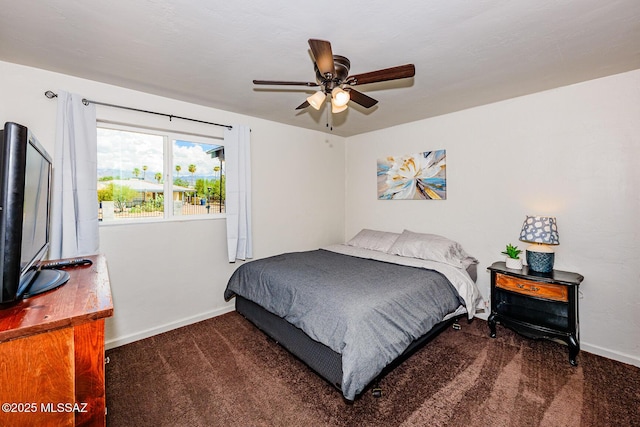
(515, 264)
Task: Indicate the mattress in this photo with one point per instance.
(317, 356)
(367, 311)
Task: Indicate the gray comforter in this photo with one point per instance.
(367, 311)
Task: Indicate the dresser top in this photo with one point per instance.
(85, 297)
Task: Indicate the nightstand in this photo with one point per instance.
(536, 305)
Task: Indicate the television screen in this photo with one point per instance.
(25, 194)
(35, 214)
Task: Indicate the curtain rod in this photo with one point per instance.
(49, 94)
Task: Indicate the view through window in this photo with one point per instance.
(150, 174)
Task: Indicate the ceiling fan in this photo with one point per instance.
(332, 76)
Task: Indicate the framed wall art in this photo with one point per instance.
(420, 176)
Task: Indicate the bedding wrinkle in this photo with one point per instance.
(459, 278)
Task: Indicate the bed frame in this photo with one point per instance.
(320, 358)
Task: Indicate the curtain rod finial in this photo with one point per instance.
(49, 94)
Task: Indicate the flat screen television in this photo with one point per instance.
(25, 198)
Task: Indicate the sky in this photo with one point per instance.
(124, 150)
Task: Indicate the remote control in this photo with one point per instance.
(67, 263)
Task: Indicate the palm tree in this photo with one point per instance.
(216, 169)
(136, 172)
(144, 173)
(158, 177)
(192, 169)
(178, 169)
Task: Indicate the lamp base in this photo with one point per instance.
(541, 262)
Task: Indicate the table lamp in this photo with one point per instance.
(542, 233)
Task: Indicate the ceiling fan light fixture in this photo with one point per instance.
(340, 97)
(317, 99)
(337, 108)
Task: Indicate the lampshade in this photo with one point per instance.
(337, 109)
(317, 99)
(339, 97)
(542, 231)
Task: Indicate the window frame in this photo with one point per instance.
(169, 136)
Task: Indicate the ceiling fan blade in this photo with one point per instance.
(305, 104)
(276, 82)
(393, 73)
(361, 98)
(323, 56)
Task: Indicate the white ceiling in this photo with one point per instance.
(466, 52)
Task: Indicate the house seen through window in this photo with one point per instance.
(153, 174)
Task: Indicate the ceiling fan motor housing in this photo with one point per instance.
(342, 66)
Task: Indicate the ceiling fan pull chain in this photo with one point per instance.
(327, 111)
(329, 118)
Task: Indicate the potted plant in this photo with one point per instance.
(513, 257)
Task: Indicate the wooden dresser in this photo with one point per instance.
(52, 353)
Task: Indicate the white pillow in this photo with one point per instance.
(430, 247)
(374, 240)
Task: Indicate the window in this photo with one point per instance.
(161, 175)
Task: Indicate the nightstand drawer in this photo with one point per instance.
(535, 289)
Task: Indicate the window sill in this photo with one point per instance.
(140, 221)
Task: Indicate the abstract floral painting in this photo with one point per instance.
(419, 176)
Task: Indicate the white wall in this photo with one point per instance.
(572, 153)
(167, 274)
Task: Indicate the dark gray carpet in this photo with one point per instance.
(224, 372)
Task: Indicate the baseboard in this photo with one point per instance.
(117, 342)
(610, 354)
(594, 349)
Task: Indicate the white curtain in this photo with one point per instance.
(238, 189)
(74, 210)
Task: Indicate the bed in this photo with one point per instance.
(353, 311)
